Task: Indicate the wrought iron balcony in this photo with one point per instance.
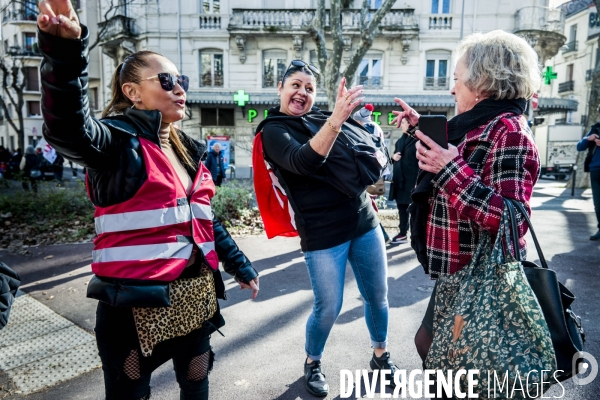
(371, 82)
(208, 80)
(269, 80)
(117, 26)
(20, 15)
(567, 86)
(432, 83)
(290, 20)
(571, 46)
(20, 51)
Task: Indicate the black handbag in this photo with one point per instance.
(555, 300)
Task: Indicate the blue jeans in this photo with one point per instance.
(326, 269)
(595, 181)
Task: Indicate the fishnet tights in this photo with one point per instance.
(131, 366)
(199, 367)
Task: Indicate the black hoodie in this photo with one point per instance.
(325, 217)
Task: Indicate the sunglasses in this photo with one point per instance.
(302, 64)
(167, 81)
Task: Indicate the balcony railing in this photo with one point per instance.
(540, 19)
(567, 86)
(370, 82)
(119, 25)
(20, 15)
(571, 46)
(215, 80)
(432, 83)
(274, 20)
(19, 51)
(440, 22)
(270, 81)
(210, 21)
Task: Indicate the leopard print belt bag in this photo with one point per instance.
(193, 301)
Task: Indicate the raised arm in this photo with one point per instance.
(68, 124)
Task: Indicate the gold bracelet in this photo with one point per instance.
(333, 127)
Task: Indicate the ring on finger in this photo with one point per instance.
(425, 152)
(348, 95)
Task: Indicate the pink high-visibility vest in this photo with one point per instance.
(151, 235)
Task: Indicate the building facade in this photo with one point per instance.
(236, 51)
(19, 47)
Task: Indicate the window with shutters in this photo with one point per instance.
(33, 80)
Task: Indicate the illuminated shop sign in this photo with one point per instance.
(252, 114)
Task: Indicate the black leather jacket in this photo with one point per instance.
(111, 152)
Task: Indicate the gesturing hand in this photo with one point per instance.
(346, 101)
(411, 115)
(252, 285)
(58, 18)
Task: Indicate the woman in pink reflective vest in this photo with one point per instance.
(158, 246)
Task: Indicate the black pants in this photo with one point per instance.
(403, 216)
(127, 373)
(219, 180)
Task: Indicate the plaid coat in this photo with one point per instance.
(496, 160)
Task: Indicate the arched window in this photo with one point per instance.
(274, 66)
(211, 68)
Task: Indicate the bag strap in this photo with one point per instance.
(511, 204)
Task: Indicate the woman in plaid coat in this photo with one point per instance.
(491, 155)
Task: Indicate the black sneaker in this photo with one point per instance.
(595, 236)
(384, 362)
(399, 239)
(314, 379)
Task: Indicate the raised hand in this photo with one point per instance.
(58, 18)
(411, 115)
(346, 102)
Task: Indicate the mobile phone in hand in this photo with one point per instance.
(436, 127)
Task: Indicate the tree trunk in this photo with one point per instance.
(330, 64)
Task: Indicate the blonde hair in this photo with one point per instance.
(130, 70)
(500, 65)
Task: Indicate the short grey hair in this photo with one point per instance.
(500, 65)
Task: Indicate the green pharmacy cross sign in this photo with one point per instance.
(548, 75)
(241, 98)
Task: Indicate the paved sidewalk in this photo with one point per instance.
(261, 355)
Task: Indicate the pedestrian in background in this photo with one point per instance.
(158, 247)
(405, 169)
(30, 163)
(363, 117)
(491, 156)
(58, 167)
(591, 142)
(215, 164)
(15, 162)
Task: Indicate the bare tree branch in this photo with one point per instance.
(368, 34)
(330, 63)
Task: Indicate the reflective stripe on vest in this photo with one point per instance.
(141, 238)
